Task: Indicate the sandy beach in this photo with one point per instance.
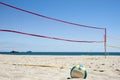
(20, 67)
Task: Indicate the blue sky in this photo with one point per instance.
(100, 13)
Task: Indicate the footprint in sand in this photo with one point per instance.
(99, 70)
(118, 70)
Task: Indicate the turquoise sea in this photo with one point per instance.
(62, 53)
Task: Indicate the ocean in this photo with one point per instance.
(62, 53)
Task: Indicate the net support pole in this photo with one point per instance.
(105, 40)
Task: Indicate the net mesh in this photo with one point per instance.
(32, 23)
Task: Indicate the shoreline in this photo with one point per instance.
(64, 53)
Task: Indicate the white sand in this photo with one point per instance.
(98, 68)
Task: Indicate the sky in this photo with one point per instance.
(98, 13)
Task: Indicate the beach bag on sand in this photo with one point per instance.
(78, 71)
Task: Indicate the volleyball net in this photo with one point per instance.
(29, 23)
(114, 39)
